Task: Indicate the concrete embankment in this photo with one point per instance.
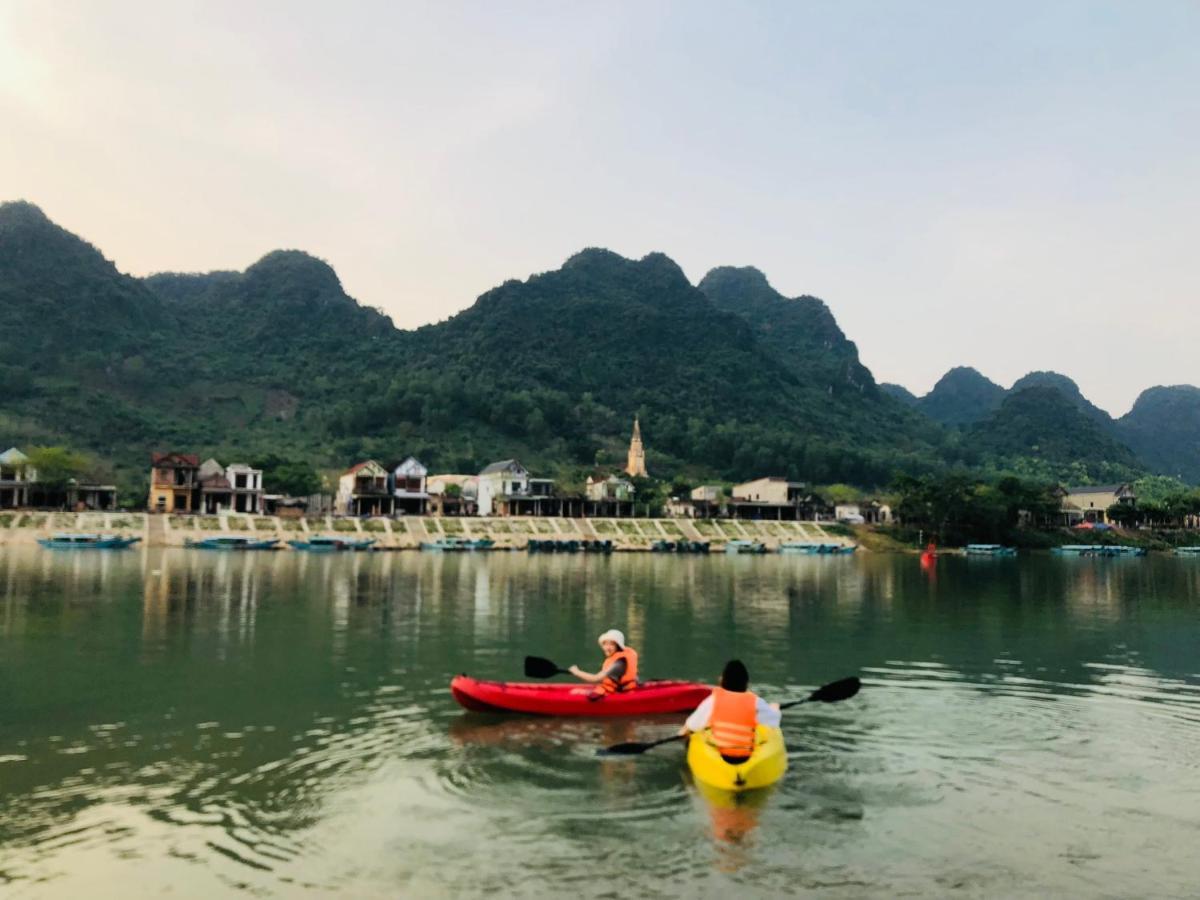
(409, 532)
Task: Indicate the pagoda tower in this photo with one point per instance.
(636, 466)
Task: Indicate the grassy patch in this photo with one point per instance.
(541, 526)
(671, 528)
(452, 526)
(728, 529)
(264, 524)
(604, 527)
(6, 520)
(497, 527)
(375, 526)
(33, 521)
(289, 524)
(568, 525)
(399, 526)
(209, 523)
(184, 522)
(629, 528)
(239, 523)
(520, 527)
(343, 525)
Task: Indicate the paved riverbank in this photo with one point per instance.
(408, 532)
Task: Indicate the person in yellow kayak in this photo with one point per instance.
(731, 712)
(619, 672)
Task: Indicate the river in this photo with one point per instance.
(191, 724)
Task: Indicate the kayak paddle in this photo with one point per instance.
(833, 692)
(538, 667)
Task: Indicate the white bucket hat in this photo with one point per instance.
(612, 635)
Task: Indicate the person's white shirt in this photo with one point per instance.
(763, 712)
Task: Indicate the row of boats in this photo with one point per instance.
(322, 544)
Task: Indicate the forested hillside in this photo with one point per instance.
(730, 378)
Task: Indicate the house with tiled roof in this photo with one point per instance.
(506, 489)
(407, 480)
(363, 491)
(174, 482)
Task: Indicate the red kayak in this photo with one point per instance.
(648, 698)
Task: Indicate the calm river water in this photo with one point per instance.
(176, 722)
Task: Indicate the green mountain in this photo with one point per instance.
(730, 378)
(1040, 431)
(1163, 428)
(899, 392)
(1069, 389)
(800, 331)
(279, 359)
(961, 396)
(803, 335)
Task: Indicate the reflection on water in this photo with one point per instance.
(282, 724)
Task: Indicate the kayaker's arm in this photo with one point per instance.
(615, 671)
(698, 720)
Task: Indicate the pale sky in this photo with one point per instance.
(1012, 186)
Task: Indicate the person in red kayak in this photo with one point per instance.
(731, 712)
(619, 671)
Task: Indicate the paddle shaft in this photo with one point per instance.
(833, 692)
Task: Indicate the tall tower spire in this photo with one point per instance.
(636, 465)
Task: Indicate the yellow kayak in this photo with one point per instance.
(765, 766)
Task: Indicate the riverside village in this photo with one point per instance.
(399, 504)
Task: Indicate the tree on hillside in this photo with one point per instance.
(56, 467)
(286, 476)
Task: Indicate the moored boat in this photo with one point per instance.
(764, 767)
(1187, 551)
(67, 541)
(458, 544)
(332, 544)
(680, 546)
(816, 548)
(648, 698)
(232, 542)
(744, 546)
(990, 550)
(1105, 550)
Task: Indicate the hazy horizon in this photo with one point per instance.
(1013, 189)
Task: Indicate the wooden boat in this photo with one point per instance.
(458, 544)
(87, 542)
(742, 546)
(815, 548)
(1104, 550)
(574, 545)
(990, 550)
(1187, 551)
(682, 546)
(332, 544)
(232, 542)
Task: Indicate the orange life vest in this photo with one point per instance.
(732, 722)
(628, 680)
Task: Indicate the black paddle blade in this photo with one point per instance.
(629, 748)
(838, 690)
(537, 667)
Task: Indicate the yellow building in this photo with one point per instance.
(174, 480)
(1091, 503)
